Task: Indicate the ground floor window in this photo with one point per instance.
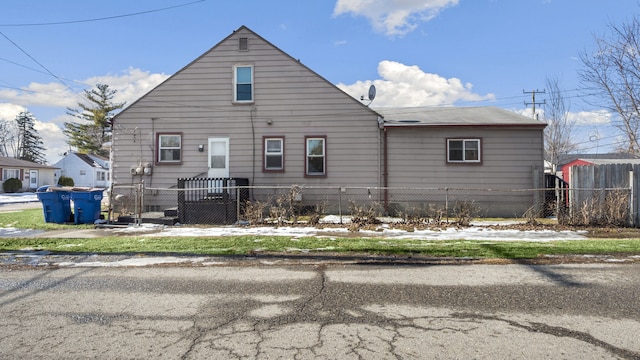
(273, 154)
(169, 148)
(10, 174)
(463, 150)
(316, 159)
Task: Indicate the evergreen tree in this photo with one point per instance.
(30, 145)
(90, 134)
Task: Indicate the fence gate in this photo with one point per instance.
(211, 200)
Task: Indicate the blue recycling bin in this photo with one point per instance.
(86, 206)
(56, 205)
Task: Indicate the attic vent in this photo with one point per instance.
(409, 121)
(243, 44)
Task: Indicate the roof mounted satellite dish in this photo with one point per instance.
(372, 94)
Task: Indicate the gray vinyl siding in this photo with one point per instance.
(197, 102)
(417, 157)
(512, 159)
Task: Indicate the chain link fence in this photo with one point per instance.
(228, 201)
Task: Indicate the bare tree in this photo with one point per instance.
(612, 74)
(8, 138)
(559, 131)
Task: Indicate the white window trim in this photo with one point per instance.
(235, 84)
(323, 156)
(280, 153)
(464, 142)
(160, 148)
(5, 177)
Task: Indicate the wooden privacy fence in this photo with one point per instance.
(596, 184)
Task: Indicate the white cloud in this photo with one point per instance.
(393, 17)
(49, 103)
(129, 86)
(54, 140)
(36, 94)
(595, 117)
(9, 111)
(405, 86)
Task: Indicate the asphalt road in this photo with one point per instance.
(320, 311)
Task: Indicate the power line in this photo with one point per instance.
(102, 18)
(37, 62)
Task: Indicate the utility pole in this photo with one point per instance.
(533, 100)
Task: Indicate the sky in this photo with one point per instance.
(416, 52)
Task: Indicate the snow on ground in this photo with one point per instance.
(18, 198)
(478, 231)
(481, 233)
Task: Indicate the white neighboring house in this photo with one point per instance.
(88, 170)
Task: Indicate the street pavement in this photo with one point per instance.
(579, 311)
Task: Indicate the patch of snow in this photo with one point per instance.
(18, 198)
(140, 261)
(470, 233)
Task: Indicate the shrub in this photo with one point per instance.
(254, 212)
(465, 211)
(65, 181)
(366, 214)
(12, 185)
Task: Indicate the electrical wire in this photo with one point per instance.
(39, 63)
(102, 18)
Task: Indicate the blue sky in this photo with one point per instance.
(416, 52)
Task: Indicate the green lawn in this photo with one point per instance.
(240, 245)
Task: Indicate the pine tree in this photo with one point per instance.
(30, 145)
(90, 134)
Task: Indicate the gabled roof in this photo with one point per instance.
(220, 43)
(454, 116)
(612, 161)
(17, 163)
(90, 159)
(608, 158)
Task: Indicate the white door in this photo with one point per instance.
(218, 162)
(33, 179)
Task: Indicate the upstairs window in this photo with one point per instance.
(169, 148)
(243, 83)
(463, 150)
(273, 154)
(316, 159)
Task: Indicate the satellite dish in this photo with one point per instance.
(372, 92)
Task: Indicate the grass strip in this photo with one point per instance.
(243, 245)
(34, 219)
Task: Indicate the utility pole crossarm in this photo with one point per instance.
(533, 100)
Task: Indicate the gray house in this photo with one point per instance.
(246, 109)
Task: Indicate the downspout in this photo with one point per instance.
(111, 180)
(385, 174)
